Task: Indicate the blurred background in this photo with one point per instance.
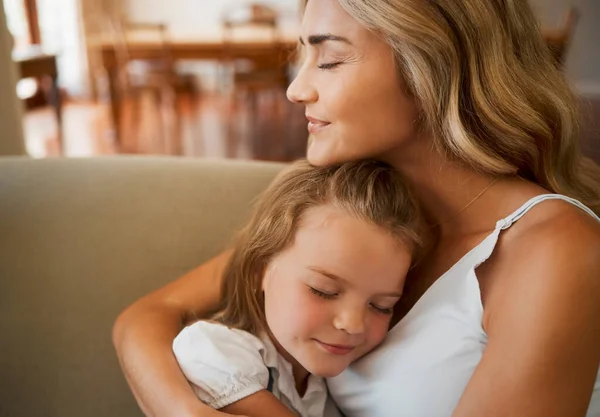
(196, 78)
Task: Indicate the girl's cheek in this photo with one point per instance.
(379, 328)
(313, 310)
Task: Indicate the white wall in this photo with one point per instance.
(61, 32)
(11, 115)
(200, 17)
(197, 15)
(583, 60)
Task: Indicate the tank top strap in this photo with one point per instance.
(521, 211)
(484, 250)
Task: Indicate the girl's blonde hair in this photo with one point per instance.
(370, 190)
(488, 88)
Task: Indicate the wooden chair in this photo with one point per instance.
(250, 77)
(155, 75)
(559, 40)
(265, 71)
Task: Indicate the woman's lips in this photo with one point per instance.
(316, 125)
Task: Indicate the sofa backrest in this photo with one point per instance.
(80, 239)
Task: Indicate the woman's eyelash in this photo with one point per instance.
(322, 294)
(329, 65)
(382, 310)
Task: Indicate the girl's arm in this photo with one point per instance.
(143, 336)
(261, 404)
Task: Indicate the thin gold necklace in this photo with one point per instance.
(468, 204)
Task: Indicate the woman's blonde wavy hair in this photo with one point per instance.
(488, 88)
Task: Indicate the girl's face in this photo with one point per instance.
(329, 296)
(355, 101)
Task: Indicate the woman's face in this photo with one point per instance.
(355, 101)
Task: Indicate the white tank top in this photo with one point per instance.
(427, 359)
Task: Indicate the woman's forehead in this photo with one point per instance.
(327, 17)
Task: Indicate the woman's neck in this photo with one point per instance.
(444, 188)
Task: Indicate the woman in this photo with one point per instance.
(502, 315)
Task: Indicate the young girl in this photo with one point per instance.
(310, 288)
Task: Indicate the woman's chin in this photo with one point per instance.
(318, 161)
(323, 152)
(316, 155)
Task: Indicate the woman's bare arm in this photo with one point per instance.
(543, 326)
(143, 336)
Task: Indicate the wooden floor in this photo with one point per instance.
(208, 127)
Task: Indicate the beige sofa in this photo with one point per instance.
(80, 239)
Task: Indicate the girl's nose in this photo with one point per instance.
(351, 320)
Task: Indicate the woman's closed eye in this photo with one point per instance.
(329, 65)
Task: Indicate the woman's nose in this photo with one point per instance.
(301, 89)
(351, 320)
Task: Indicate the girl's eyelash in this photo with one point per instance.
(329, 296)
(330, 65)
(322, 294)
(382, 310)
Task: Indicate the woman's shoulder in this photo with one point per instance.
(541, 296)
(553, 249)
(553, 226)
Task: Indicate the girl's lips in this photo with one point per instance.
(335, 349)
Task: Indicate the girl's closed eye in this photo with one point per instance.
(382, 310)
(323, 294)
(332, 295)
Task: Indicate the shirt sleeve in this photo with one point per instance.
(223, 365)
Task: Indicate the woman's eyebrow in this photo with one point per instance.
(319, 39)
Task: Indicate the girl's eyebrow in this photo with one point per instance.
(327, 274)
(319, 39)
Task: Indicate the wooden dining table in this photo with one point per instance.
(206, 45)
(199, 45)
